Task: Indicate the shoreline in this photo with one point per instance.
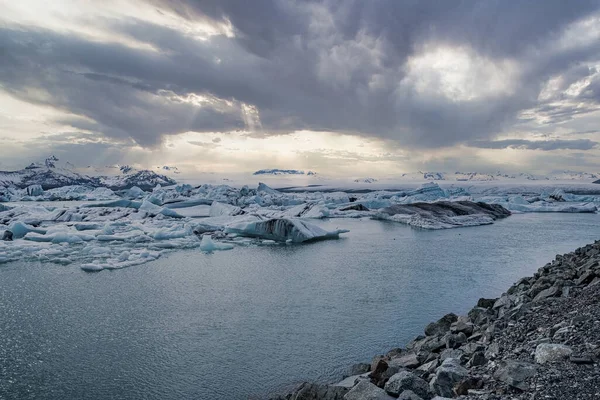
(539, 340)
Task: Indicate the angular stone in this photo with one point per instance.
(405, 380)
(367, 391)
(429, 367)
(546, 293)
(470, 348)
(462, 326)
(441, 326)
(313, 391)
(550, 352)
(409, 395)
(585, 278)
(478, 359)
(409, 360)
(463, 387)
(350, 381)
(451, 353)
(515, 373)
(486, 303)
(378, 365)
(446, 376)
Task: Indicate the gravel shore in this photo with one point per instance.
(539, 340)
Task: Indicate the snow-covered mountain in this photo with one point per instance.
(283, 172)
(144, 179)
(50, 176)
(47, 176)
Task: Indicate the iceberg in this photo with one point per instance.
(444, 214)
(283, 230)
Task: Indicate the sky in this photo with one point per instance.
(341, 87)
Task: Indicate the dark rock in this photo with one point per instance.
(515, 373)
(546, 293)
(581, 359)
(313, 391)
(441, 326)
(463, 387)
(480, 315)
(462, 326)
(381, 379)
(378, 365)
(7, 236)
(367, 391)
(455, 341)
(409, 395)
(585, 278)
(486, 303)
(446, 376)
(405, 380)
(477, 359)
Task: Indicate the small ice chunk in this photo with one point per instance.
(208, 245)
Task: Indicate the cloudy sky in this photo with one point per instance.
(336, 86)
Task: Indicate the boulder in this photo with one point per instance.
(469, 383)
(313, 391)
(405, 380)
(366, 391)
(446, 376)
(462, 326)
(409, 360)
(429, 367)
(350, 381)
(546, 293)
(478, 359)
(515, 373)
(7, 236)
(550, 352)
(409, 395)
(455, 341)
(486, 303)
(441, 326)
(451, 353)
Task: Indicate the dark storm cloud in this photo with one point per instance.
(545, 145)
(319, 65)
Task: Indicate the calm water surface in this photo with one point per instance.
(250, 321)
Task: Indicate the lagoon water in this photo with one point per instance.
(252, 321)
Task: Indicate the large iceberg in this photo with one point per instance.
(444, 214)
(283, 230)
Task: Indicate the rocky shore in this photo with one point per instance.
(539, 340)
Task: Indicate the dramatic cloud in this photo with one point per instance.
(414, 74)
